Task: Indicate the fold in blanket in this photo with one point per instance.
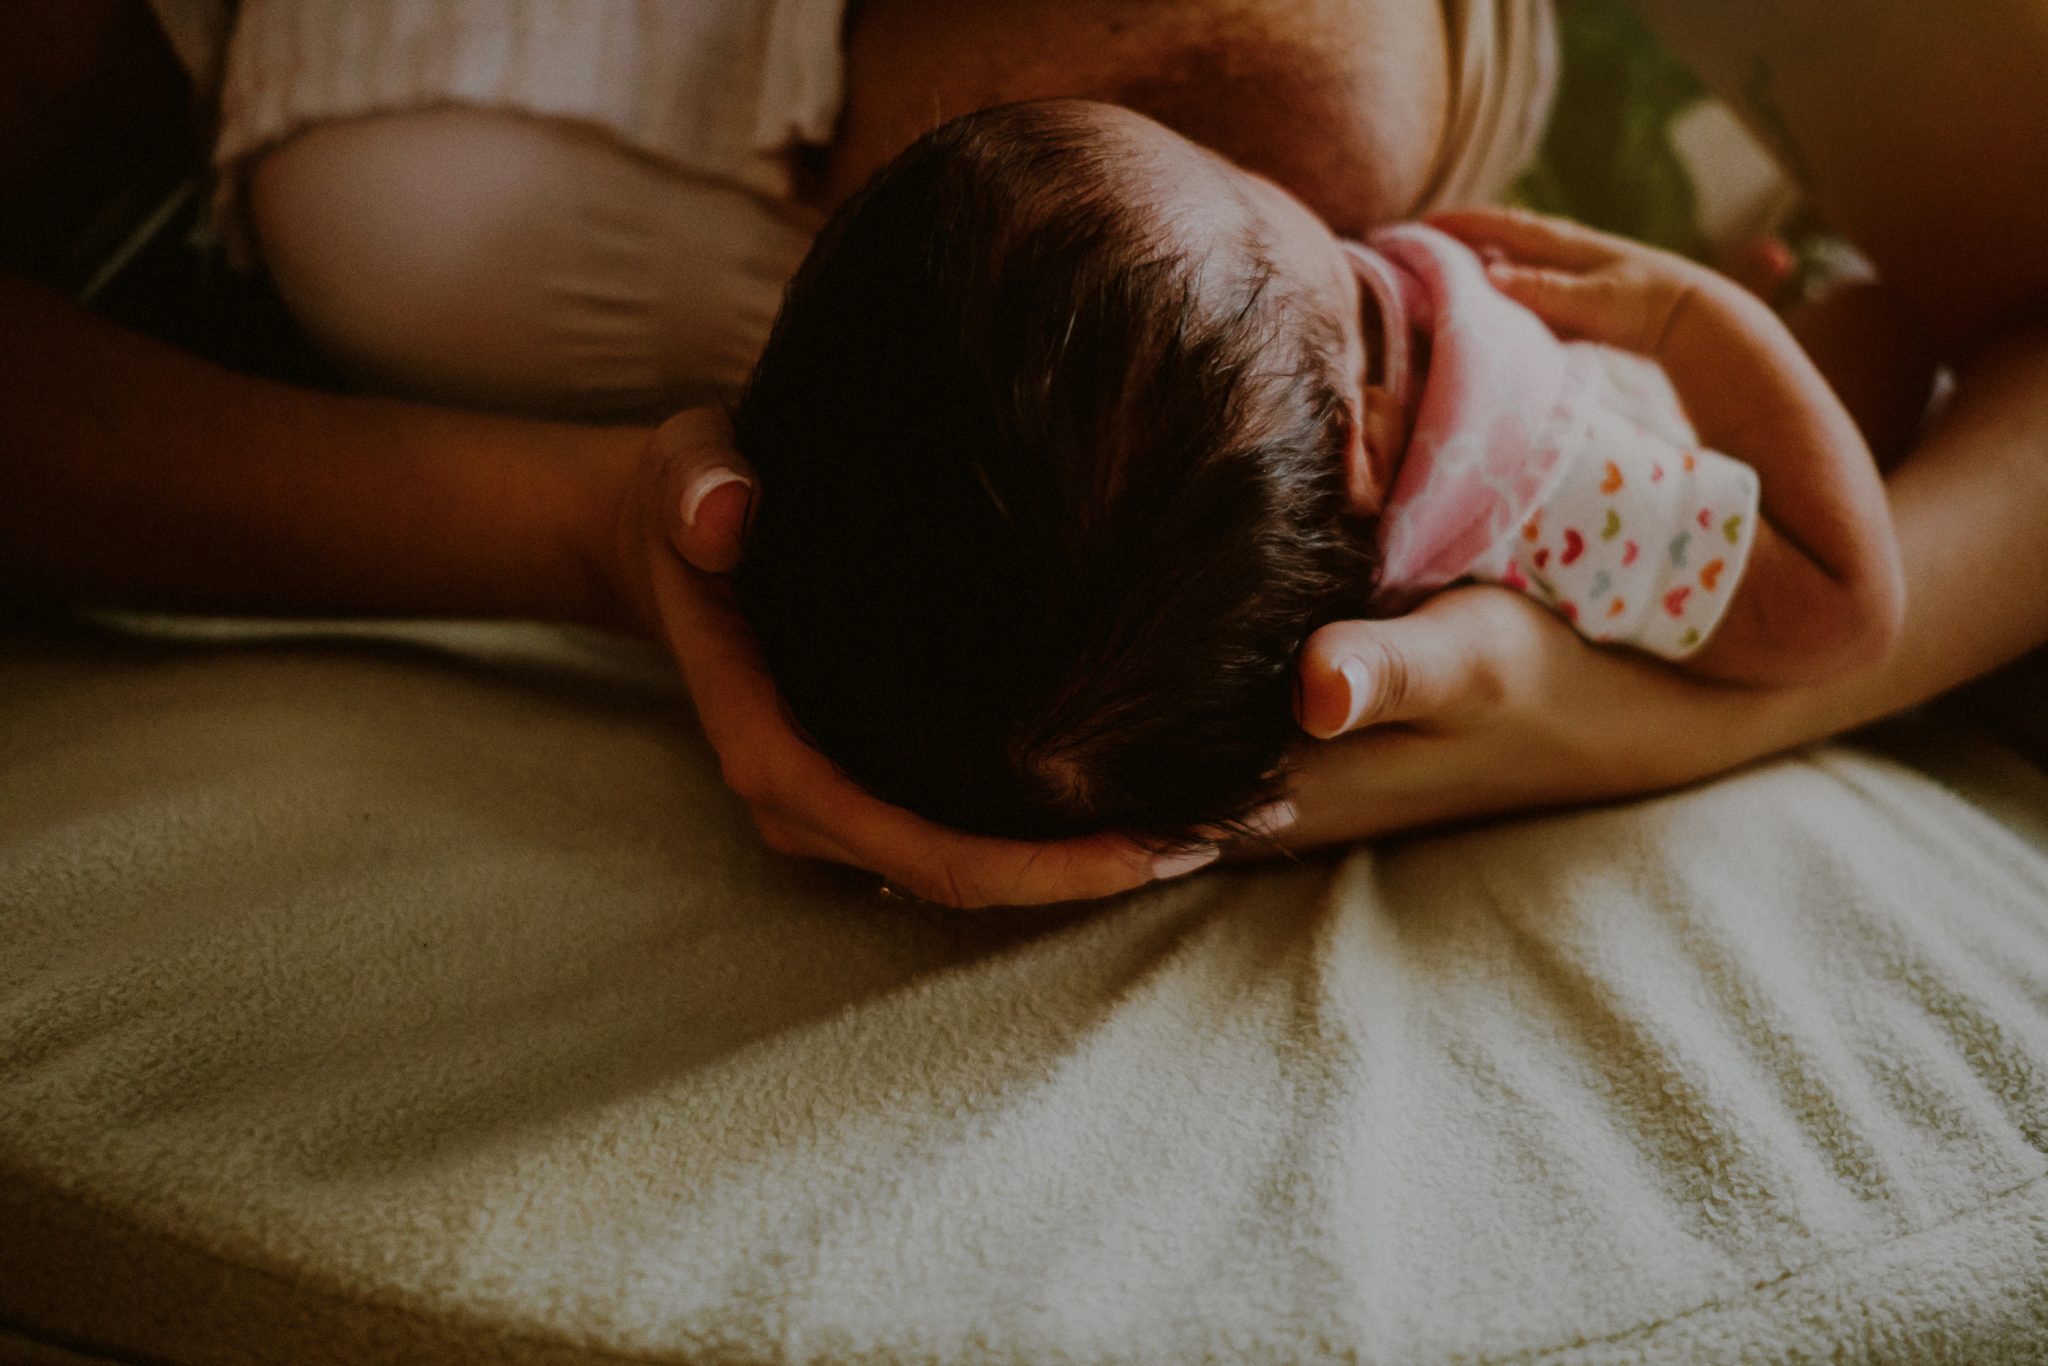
(419, 998)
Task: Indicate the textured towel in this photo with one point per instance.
(423, 997)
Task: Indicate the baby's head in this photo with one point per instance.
(1060, 448)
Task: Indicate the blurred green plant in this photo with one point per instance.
(1607, 158)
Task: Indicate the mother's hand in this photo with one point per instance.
(1480, 701)
(691, 500)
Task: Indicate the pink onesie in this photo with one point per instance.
(1566, 470)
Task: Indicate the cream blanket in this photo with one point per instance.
(423, 997)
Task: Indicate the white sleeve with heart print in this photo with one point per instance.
(1645, 534)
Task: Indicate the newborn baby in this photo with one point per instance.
(1070, 432)
(1511, 457)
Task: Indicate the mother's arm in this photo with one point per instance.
(133, 475)
(1883, 111)
(1482, 702)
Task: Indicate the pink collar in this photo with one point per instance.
(1482, 448)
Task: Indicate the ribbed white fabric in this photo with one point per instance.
(719, 87)
(711, 85)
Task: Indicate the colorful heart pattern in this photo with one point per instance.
(1562, 555)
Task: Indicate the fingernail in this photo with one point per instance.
(703, 486)
(1174, 865)
(1360, 683)
(1272, 818)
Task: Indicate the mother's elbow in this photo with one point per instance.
(1871, 623)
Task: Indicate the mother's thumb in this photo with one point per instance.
(708, 490)
(1367, 673)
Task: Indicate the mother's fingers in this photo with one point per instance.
(1530, 238)
(957, 869)
(1628, 310)
(1378, 781)
(1436, 659)
(707, 490)
(826, 816)
(804, 805)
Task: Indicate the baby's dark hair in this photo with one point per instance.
(1043, 522)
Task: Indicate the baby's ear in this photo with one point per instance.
(1372, 452)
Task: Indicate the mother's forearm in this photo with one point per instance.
(1971, 506)
(135, 475)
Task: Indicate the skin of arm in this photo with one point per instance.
(166, 481)
(1859, 332)
(1862, 336)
